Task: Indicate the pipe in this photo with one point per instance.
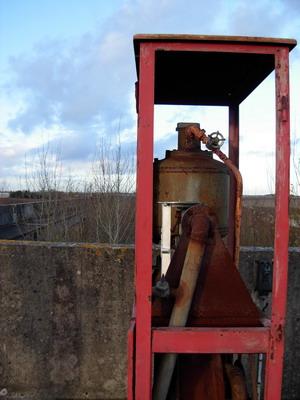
(200, 134)
(184, 295)
(237, 382)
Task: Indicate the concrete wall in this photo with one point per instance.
(291, 378)
(64, 314)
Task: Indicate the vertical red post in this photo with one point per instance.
(234, 157)
(143, 232)
(274, 367)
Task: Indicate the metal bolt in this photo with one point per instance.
(3, 392)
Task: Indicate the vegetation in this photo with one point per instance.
(101, 210)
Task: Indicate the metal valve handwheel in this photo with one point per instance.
(216, 141)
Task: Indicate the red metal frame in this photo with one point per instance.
(269, 339)
(234, 157)
(210, 340)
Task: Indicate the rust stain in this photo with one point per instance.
(284, 108)
(284, 103)
(221, 297)
(182, 294)
(193, 131)
(279, 333)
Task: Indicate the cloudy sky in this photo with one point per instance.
(67, 78)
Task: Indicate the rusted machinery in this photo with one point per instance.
(202, 286)
(194, 318)
(199, 178)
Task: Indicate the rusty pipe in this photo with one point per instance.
(237, 382)
(184, 297)
(179, 314)
(194, 131)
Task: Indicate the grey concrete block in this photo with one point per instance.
(64, 315)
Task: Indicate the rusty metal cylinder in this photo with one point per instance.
(190, 176)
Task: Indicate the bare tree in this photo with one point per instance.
(98, 210)
(57, 206)
(113, 185)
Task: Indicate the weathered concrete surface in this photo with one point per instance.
(64, 314)
(249, 256)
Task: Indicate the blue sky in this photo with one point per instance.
(67, 77)
(24, 23)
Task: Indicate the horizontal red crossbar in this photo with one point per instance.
(210, 340)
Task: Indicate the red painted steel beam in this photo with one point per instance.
(206, 340)
(143, 231)
(234, 151)
(234, 143)
(210, 340)
(274, 365)
(217, 47)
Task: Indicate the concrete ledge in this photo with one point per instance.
(32, 243)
